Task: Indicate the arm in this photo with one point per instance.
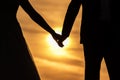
(71, 14)
(35, 16)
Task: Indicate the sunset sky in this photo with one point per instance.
(52, 61)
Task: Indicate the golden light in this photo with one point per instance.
(54, 47)
(54, 44)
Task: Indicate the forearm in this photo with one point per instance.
(35, 16)
(42, 23)
(70, 16)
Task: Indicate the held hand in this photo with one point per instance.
(60, 43)
(57, 38)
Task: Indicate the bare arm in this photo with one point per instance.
(25, 4)
(70, 16)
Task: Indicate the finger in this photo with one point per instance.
(60, 44)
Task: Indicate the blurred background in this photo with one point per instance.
(52, 61)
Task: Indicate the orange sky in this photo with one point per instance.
(53, 62)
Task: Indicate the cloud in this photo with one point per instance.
(50, 70)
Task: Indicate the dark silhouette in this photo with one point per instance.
(99, 35)
(16, 62)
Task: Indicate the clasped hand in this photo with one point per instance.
(58, 38)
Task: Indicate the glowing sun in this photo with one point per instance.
(53, 43)
(54, 47)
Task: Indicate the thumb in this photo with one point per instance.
(60, 43)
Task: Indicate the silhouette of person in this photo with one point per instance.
(15, 57)
(99, 35)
